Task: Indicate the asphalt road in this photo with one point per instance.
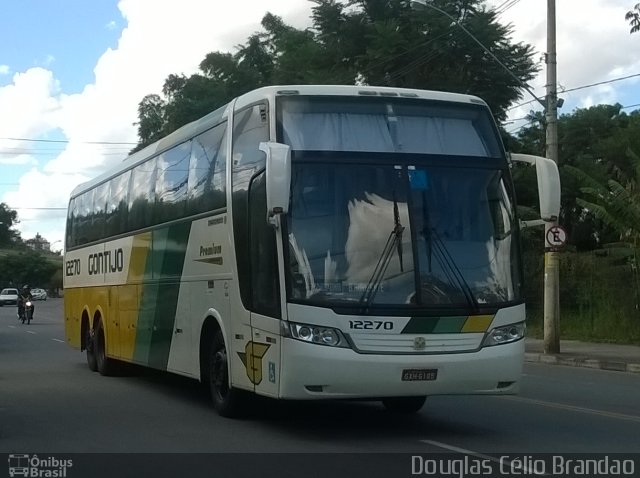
(51, 402)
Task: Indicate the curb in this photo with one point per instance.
(581, 361)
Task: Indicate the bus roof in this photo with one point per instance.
(270, 92)
(351, 90)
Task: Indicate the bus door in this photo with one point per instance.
(265, 294)
(255, 243)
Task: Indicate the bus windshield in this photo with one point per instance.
(382, 124)
(398, 234)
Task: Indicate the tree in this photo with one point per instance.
(375, 42)
(8, 219)
(633, 17)
(150, 119)
(27, 267)
(613, 202)
(596, 142)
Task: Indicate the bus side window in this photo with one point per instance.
(249, 129)
(142, 195)
(98, 214)
(171, 183)
(207, 171)
(251, 126)
(117, 207)
(72, 225)
(82, 220)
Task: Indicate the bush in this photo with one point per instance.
(599, 294)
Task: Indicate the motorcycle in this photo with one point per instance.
(27, 312)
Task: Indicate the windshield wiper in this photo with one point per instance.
(394, 241)
(448, 265)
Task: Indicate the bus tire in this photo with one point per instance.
(89, 345)
(404, 404)
(105, 365)
(226, 400)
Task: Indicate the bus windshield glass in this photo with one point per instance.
(398, 125)
(401, 235)
(383, 228)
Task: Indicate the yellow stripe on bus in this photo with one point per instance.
(138, 261)
(477, 323)
(130, 295)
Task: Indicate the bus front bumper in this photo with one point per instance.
(312, 371)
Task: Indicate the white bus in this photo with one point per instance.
(310, 242)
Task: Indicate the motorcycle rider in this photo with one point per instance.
(23, 297)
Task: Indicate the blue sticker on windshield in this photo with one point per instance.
(418, 179)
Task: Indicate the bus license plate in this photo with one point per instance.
(417, 374)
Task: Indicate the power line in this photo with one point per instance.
(601, 83)
(511, 3)
(53, 153)
(65, 141)
(581, 88)
(531, 121)
(39, 208)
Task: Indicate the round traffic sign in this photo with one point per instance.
(556, 236)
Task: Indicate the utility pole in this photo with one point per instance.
(551, 259)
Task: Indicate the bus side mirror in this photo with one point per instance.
(548, 184)
(278, 178)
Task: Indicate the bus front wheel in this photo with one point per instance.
(404, 404)
(226, 400)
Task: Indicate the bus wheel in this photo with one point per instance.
(226, 400)
(105, 365)
(90, 346)
(404, 404)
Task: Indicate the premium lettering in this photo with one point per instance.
(210, 250)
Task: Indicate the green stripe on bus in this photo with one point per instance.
(449, 325)
(434, 325)
(160, 300)
(420, 325)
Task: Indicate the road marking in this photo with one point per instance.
(12, 326)
(58, 340)
(460, 450)
(573, 408)
(31, 332)
(525, 470)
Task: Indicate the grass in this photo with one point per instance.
(605, 327)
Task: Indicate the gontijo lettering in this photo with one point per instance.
(106, 262)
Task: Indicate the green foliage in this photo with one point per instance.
(28, 267)
(633, 17)
(599, 296)
(595, 147)
(614, 203)
(8, 219)
(375, 42)
(151, 114)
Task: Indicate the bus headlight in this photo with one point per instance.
(504, 334)
(315, 334)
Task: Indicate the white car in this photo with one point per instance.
(8, 297)
(39, 294)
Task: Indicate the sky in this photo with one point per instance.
(72, 73)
